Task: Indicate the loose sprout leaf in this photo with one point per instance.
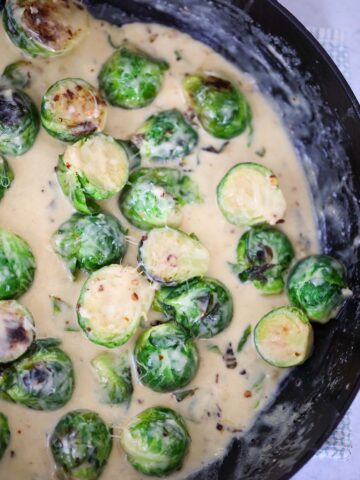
(18, 74)
(63, 314)
(45, 28)
(249, 194)
(315, 285)
(221, 107)
(81, 444)
(244, 338)
(156, 441)
(217, 151)
(114, 375)
(153, 197)
(130, 78)
(6, 176)
(4, 434)
(261, 153)
(214, 348)
(182, 395)
(111, 42)
(166, 357)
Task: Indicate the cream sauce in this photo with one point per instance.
(34, 207)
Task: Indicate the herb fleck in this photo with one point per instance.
(244, 339)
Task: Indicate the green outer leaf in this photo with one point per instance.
(6, 176)
(4, 434)
(81, 444)
(131, 79)
(315, 285)
(166, 357)
(17, 74)
(244, 338)
(114, 375)
(203, 306)
(17, 265)
(156, 441)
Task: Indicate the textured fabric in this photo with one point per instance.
(339, 445)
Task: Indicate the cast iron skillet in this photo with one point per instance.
(323, 120)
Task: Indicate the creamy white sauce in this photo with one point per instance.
(34, 207)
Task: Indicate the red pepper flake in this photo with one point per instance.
(140, 401)
(280, 221)
(247, 394)
(12, 454)
(19, 432)
(78, 306)
(126, 319)
(161, 357)
(56, 98)
(217, 378)
(135, 297)
(101, 288)
(88, 329)
(219, 427)
(68, 165)
(297, 354)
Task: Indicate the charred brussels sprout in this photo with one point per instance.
(94, 168)
(169, 256)
(17, 74)
(17, 265)
(203, 306)
(81, 444)
(166, 136)
(112, 303)
(114, 374)
(6, 176)
(45, 28)
(42, 379)
(315, 285)
(4, 434)
(284, 337)
(249, 194)
(131, 78)
(90, 242)
(263, 256)
(156, 441)
(19, 121)
(72, 109)
(154, 197)
(221, 107)
(17, 330)
(166, 357)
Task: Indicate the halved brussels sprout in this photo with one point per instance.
(170, 256)
(94, 168)
(264, 254)
(6, 176)
(166, 357)
(17, 330)
(284, 337)
(131, 79)
(315, 285)
(112, 303)
(156, 441)
(221, 107)
(4, 434)
(17, 265)
(249, 194)
(203, 306)
(45, 27)
(81, 444)
(154, 197)
(166, 136)
(72, 109)
(90, 242)
(42, 379)
(114, 374)
(17, 74)
(19, 121)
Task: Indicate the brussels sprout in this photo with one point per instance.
(170, 256)
(221, 107)
(72, 109)
(156, 441)
(112, 303)
(94, 168)
(17, 330)
(203, 306)
(4, 434)
(42, 379)
(17, 74)
(90, 242)
(45, 27)
(264, 254)
(154, 197)
(17, 265)
(132, 152)
(249, 194)
(166, 357)
(166, 136)
(131, 79)
(81, 444)
(315, 285)
(6, 176)
(114, 374)
(19, 122)
(284, 337)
